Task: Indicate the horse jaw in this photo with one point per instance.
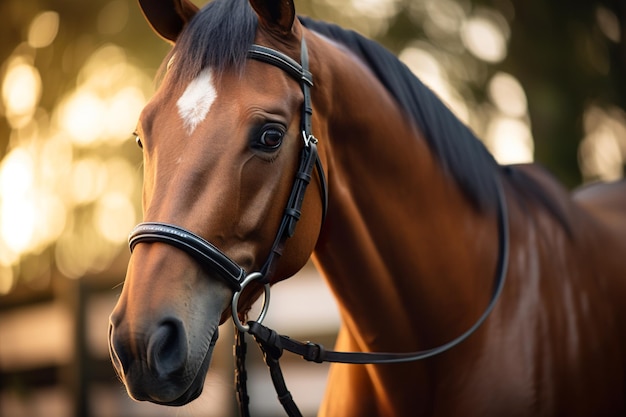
(161, 335)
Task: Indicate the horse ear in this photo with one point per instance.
(168, 17)
(276, 16)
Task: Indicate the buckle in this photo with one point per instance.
(309, 139)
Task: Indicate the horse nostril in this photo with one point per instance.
(167, 348)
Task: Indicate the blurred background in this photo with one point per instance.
(537, 80)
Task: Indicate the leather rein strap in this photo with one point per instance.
(315, 352)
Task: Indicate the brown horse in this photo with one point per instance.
(408, 244)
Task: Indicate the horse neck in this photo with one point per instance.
(401, 242)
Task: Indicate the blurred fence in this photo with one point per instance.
(54, 360)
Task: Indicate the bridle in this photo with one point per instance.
(271, 343)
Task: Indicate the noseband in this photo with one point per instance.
(272, 344)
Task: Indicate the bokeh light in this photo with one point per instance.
(81, 117)
(510, 140)
(506, 92)
(484, 39)
(602, 153)
(17, 213)
(21, 91)
(63, 183)
(608, 23)
(43, 29)
(380, 9)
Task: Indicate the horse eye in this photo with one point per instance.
(271, 138)
(138, 141)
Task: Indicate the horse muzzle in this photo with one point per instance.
(157, 365)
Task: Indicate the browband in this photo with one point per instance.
(282, 61)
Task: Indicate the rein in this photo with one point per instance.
(271, 343)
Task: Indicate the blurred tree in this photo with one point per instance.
(567, 57)
(83, 27)
(55, 41)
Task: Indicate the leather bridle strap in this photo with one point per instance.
(309, 157)
(292, 213)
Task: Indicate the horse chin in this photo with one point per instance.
(171, 391)
(192, 392)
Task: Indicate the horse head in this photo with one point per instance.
(221, 140)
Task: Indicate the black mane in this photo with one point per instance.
(459, 151)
